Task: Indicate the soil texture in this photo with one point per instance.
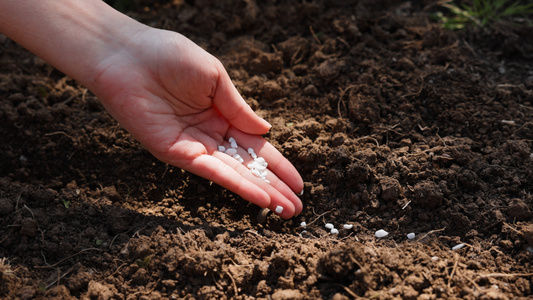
(394, 123)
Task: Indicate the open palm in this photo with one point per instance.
(179, 102)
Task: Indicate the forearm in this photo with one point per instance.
(74, 36)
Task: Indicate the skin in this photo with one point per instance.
(171, 95)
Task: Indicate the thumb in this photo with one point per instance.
(234, 109)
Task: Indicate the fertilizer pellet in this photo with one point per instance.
(347, 226)
(334, 231)
(329, 226)
(279, 209)
(411, 235)
(258, 167)
(238, 158)
(381, 233)
(231, 151)
(458, 246)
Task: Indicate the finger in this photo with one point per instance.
(275, 181)
(233, 107)
(277, 163)
(277, 198)
(226, 175)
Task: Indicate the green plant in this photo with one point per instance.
(144, 263)
(481, 13)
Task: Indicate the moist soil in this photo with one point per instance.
(394, 123)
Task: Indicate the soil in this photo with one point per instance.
(394, 123)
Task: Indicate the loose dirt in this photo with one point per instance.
(393, 122)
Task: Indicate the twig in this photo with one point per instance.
(234, 284)
(432, 231)
(505, 275)
(67, 258)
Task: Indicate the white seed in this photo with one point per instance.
(231, 140)
(231, 151)
(411, 235)
(267, 181)
(458, 246)
(381, 233)
(347, 226)
(434, 258)
(250, 151)
(334, 231)
(221, 148)
(254, 156)
(279, 209)
(329, 226)
(256, 173)
(261, 161)
(239, 158)
(234, 144)
(303, 224)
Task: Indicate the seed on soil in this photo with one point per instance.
(381, 233)
(334, 231)
(279, 209)
(303, 224)
(329, 226)
(347, 226)
(458, 246)
(411, 235)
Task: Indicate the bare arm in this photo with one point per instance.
(170, 94)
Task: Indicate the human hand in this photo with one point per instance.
(179, 102)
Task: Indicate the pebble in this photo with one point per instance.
(381, 233)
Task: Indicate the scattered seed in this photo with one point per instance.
(329, 226)
(239, 158)
(347, 226)
(234, 145)
(221, 148)
(279, 209)
(250, 151)
(381, 233)
(334, 231)
(231, 140)
(411, 235)
(303, 224)
(458, 246)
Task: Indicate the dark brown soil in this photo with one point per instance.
(393, 122)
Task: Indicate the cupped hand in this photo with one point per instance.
(179, 102)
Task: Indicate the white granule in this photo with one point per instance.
(279, 209)
(381, 233)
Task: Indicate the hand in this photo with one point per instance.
(179, 102)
